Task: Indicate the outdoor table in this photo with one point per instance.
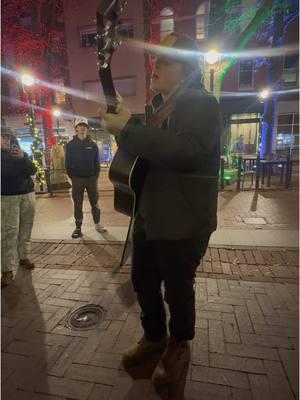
(250, 160)
(267, 169)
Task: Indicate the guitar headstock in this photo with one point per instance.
(108, 24)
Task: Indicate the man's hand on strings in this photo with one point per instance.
(114, 123)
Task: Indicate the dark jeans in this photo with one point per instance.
(171, 262)
(78, 186)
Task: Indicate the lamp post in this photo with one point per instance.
(56, 112)
(265, 139)
(212, 57)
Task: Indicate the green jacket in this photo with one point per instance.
(179, 196)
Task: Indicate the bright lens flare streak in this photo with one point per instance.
(249, 53)
(67, 116)
(196, 92)
(57, 88)
(259, 94)
(27, 80)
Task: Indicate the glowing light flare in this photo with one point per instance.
(56, 112)
(264, 94)
(212, 57)
(27, 79)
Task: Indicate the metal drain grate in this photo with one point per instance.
(85, 317)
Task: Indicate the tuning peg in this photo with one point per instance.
(121, 7)
(107, 42)
(116, 43)
(103, 58)
(118, 26)
(107, 26)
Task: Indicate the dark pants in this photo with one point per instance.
(171, 262)
(78, 186)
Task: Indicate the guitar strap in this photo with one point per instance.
(160, 116)
(164, 111)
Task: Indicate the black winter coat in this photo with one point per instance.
(16, 174)
(82, 158)
(179, 196)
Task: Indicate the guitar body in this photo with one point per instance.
(127, 174)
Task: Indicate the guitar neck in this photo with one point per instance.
(108, 89)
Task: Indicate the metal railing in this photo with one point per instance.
(258, 174)
(248, 173)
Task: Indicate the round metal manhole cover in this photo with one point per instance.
(86, 317)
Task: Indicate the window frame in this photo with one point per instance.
(85, 30)
(126, 25)
(166, 18)
(291, 133)
(284, 69)
(204, 16)
(252, 76)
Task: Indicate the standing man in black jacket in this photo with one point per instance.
(83, 168)
(177, 207)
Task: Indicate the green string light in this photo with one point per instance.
(245, 40)
(36, 151)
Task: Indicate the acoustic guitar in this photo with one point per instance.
(127, 171)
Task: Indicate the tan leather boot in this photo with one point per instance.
(173, 364)
(7, 278)
(144, 349)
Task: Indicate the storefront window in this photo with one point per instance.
(288, 131)
(248, 126)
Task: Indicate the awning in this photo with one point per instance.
(241, 105)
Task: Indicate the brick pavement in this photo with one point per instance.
(279, 209)
(275, 209)
(246, 344)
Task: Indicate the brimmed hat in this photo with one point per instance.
(182, 49)
(5, 131)
(81, 121)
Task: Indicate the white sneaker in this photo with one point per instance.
(99, 228)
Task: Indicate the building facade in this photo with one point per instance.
(215, 24)
(33, 43)
(127, 63)
(219, 25)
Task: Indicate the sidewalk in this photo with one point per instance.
(246, 344)
(244, 218)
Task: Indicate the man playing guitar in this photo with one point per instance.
(177, 206)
